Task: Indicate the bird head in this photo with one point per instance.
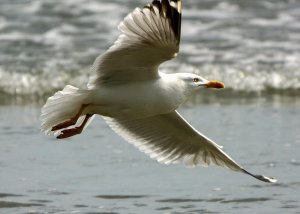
(193, 82)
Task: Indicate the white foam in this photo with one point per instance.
(227, 7)
(3, 23)
(281, 20)
(247, 80)
(58, 40)
(37, 83)
(32, 7)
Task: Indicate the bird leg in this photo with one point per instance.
(72, 121)
(74, 131)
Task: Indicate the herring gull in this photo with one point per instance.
(137, 100)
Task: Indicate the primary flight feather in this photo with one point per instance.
(136, 100)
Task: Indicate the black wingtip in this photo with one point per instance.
(172, 10)
(262, 178)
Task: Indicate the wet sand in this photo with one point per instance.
(98, 172)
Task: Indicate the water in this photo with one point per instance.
(251, 45)
(97, 172)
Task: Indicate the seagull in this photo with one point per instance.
(137, 100)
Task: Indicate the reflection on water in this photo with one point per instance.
(8, 204)
(5, 195)
(141, 202)
(118, 197)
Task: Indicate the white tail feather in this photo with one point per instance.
(62, 106)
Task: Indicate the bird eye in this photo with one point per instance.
(196, 80)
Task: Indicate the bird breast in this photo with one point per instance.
(139, 99)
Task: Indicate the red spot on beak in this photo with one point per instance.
(215, 84)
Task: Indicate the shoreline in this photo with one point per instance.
(204, 96)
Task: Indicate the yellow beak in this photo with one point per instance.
(215, 84)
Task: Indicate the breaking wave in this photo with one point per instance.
(42, 83)
(252, 46)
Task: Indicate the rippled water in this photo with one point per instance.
(98, 172)
(251, 45)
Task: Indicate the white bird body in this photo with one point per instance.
(136, 100)
(125, 100)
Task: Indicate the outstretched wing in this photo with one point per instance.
(168, 138)
(149, 37)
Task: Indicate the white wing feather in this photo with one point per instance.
(149, 37)
(170, 139)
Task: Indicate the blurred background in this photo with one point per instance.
(252, 46)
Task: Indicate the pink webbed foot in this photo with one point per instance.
(74, 131)
(69, 133)
(64, 124)
(71, 121)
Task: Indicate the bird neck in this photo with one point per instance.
(176, 86)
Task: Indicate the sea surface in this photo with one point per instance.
(252, 46)
(98, 172)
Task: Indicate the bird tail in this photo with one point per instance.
(62, 106)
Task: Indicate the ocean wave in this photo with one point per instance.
(249, 79)
(252, 46)
(40, 84)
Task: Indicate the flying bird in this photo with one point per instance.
(137, 100)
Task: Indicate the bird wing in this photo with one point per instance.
(168, 138)
(149, 37)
